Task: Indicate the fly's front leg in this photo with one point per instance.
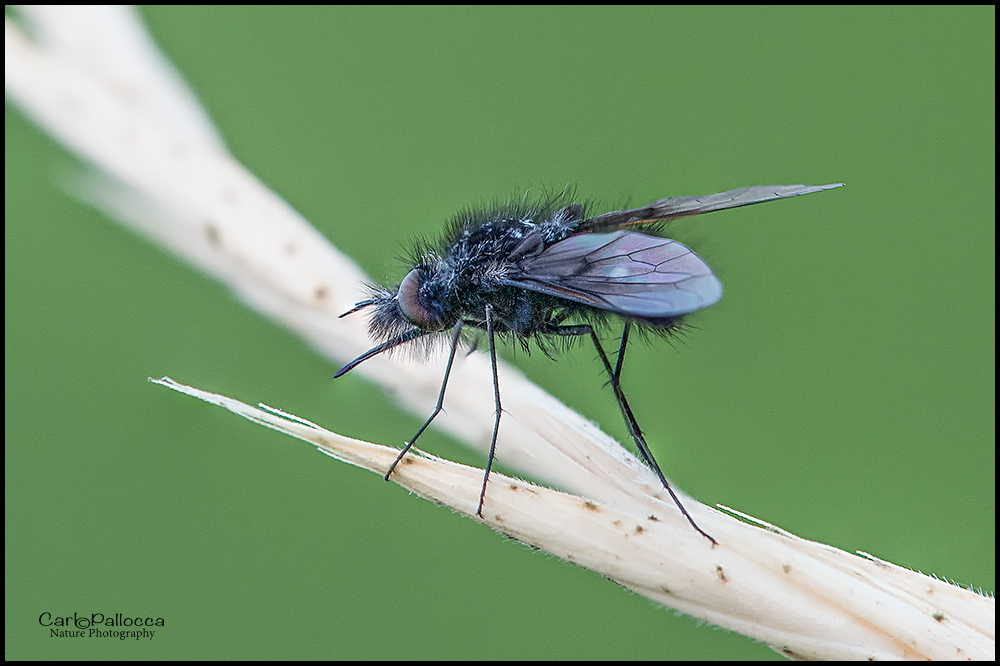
(440, 402)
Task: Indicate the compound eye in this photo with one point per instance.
(411, 305)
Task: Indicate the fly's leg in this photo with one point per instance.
(633, 427)
(440, 402)
(496, 402)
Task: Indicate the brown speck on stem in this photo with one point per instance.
(212, 232)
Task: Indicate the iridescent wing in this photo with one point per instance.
(623, 271)
(672, 208)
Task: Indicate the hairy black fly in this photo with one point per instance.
(522, 270)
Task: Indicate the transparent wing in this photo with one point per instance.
(623, 271)
(674, 207)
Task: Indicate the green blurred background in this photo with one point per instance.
(843, 389)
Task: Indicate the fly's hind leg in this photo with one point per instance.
(614, 373)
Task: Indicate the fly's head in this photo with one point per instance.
(422, 299)
(418, 303)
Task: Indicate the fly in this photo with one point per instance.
(544, 270)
